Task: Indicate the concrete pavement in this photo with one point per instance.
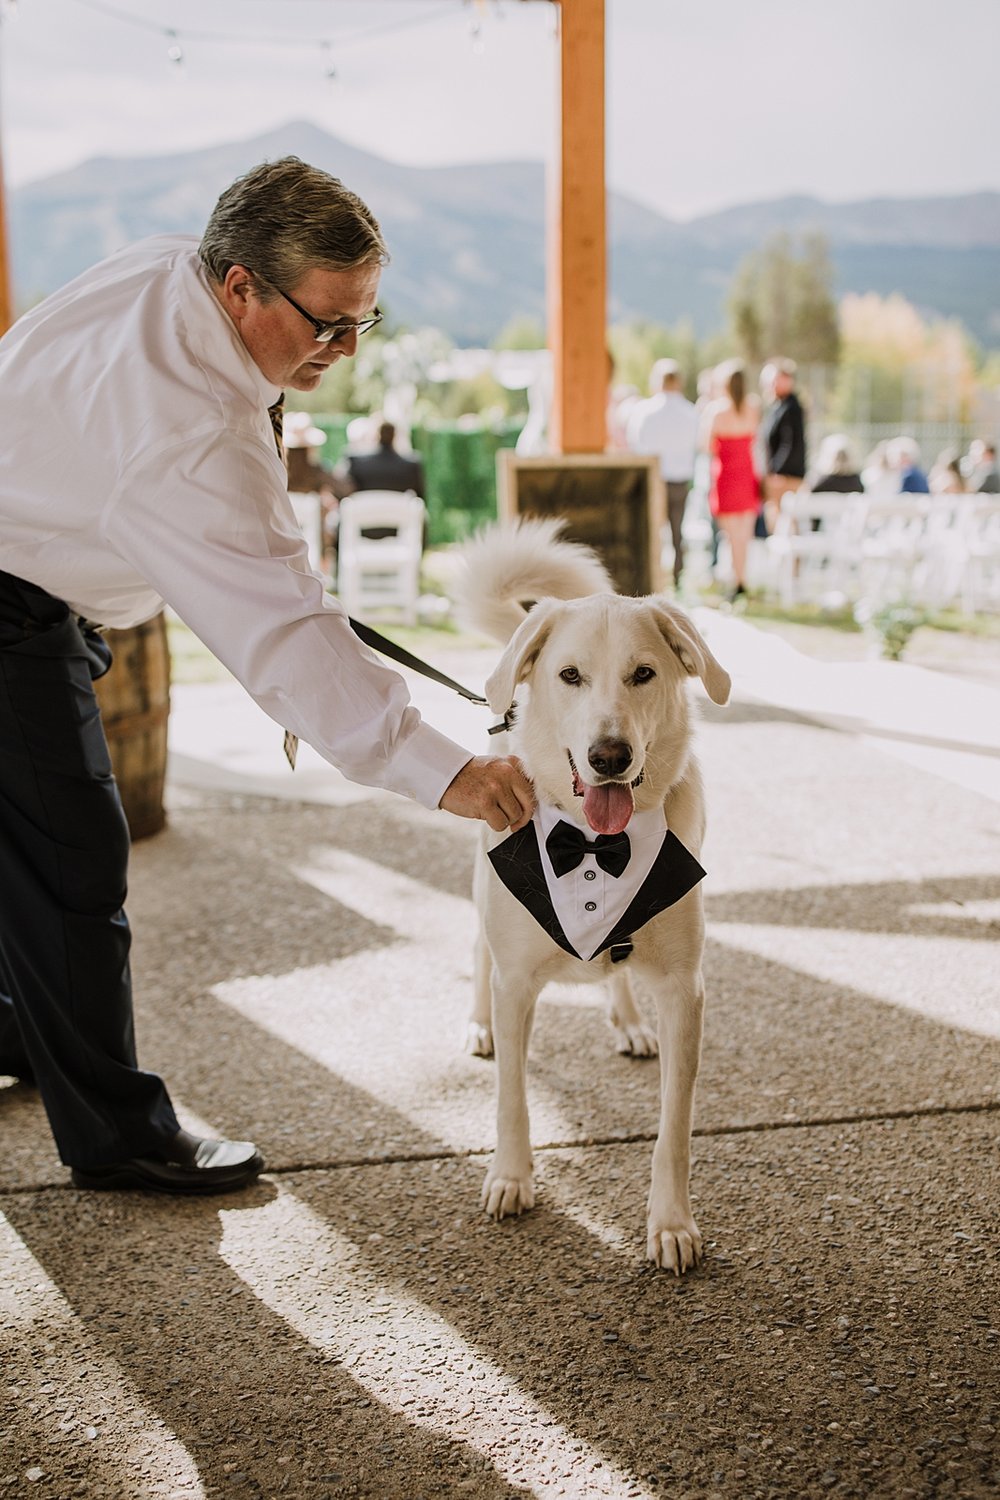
(354, 1327)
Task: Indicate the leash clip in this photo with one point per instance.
(505, 724)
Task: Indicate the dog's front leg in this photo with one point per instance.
(479, 1031)
(509, 1187)
(673, 1238)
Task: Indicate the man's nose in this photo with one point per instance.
(347, 343)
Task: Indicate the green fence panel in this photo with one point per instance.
(459, 461)
(460, 475)
(335, 428)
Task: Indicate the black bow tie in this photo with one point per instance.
(567, 845)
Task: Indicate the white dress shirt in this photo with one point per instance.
(139, 466)
(666, 425)
(588, 901)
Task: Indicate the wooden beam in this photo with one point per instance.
(577, 238)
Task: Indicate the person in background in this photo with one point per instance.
(383, 467)
(904, 460)
(983, 475)
(163, 482)
(310, 484)
(836, 469)
(667, 425)
(877, 473)
(784, 433)
(945, 477)
(735, 495)
(708, 394)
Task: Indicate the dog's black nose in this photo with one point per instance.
(610, 757)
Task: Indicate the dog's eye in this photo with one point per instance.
(643, 674)
(570, 675)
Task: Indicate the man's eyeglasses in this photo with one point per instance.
(329, 333)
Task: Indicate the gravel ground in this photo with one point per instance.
(354, 1327)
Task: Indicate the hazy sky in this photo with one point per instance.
(710, 102)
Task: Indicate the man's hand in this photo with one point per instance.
(493, 788)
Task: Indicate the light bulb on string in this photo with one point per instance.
(175, 52)
(329, 71)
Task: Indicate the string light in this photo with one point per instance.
(175, 52)
(189, 34)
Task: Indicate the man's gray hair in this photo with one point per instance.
(283, 219)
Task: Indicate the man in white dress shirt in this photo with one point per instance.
(140, 466)
(667, 425)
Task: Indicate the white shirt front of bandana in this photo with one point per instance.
(588, 901)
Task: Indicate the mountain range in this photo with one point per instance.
(467, 242)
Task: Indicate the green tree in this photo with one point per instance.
(635, 348)
(521, 332)
(782, 302)
(900, 367)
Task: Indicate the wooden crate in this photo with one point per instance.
(615, 502)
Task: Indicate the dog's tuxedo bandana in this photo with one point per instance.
(588, 908)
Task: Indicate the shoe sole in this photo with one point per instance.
(121, 1179)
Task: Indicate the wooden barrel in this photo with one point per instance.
(135, 701)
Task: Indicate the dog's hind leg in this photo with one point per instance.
(632, 1036)
(479, 1031)
(673, 1238)
(509, 1187)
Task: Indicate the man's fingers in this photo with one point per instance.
(494, 789)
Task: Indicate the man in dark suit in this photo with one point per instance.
(784, 433)
(385, 468)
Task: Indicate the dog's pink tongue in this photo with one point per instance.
(608, 808)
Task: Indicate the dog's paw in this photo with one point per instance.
(634, 1039)
(675, 1247)
(478, 1040)
(506, 1196)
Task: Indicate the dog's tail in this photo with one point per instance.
(507, 568)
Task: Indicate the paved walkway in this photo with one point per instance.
(354, 1327)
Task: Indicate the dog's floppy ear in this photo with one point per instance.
(522, 649)
(688, 645)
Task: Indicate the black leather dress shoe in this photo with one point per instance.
(188, 1165)
(22, 1073)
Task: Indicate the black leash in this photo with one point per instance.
(407, 659)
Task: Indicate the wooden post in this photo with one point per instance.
(577, 238)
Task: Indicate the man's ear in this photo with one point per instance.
(235, 292)
(521, 653)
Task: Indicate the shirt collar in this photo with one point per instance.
(214, 338)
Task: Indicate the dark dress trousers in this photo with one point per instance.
(65, 985)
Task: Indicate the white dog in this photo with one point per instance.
(602, 726)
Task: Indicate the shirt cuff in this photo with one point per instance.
(425, 765)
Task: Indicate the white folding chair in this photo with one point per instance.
(806, 561)
(894, 545)
(979, 522)
(308, 510)
(379, 545)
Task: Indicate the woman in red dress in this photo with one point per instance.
(735, 495)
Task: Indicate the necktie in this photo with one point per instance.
(276, 414)
(567, 845)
